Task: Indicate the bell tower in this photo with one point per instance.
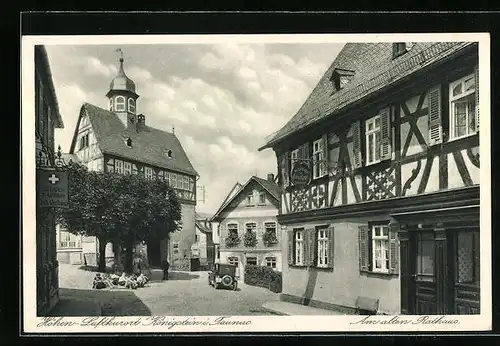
(122, 96)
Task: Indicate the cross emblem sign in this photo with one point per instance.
(53, 179)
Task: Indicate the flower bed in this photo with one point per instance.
(102, 281)
(263, 276)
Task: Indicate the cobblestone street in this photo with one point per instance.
(186, 293)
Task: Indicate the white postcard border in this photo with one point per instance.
(201, 324)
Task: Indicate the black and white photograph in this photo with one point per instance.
(247, 183)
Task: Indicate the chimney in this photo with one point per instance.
(141, 122)
(270, 177)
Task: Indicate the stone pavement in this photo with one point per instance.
(71, 304)
(292, 309)
(184, 294)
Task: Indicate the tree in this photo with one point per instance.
(122, 209)
(151, 211)
(92, 211)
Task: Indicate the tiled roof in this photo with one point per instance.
(149, 145)
(374, 69)
(271, 187)
(233, 191)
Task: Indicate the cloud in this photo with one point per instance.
(138, 74)
(191, 105)
(209, 101)
(247, 73)
(94, 66)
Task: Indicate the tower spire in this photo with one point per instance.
(121, 54)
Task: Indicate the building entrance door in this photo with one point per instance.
(424, 273)
(464, 271)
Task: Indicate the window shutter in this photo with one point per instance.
(291, 247)
(393, 250)
(435, 127)
(285, 169)
(356, 145)
(363, 249)
(385, 135)
(310, 259)
(324, 164)
(331, 242)
(476, 72)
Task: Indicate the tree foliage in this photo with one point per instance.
(123, 209)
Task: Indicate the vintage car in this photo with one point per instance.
(223, 275)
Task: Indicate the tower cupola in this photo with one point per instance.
(122, 96)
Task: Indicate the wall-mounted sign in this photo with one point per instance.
(301, 174)
(52, 188)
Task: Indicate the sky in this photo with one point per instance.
(223, 99)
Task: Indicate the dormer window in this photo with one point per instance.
(169, 153)
(399, 48)
(340, 78)
(131, 105)
(129, 142)
(120, 103)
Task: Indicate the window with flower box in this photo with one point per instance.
(270, 237)
(250, 239)
(233, 238)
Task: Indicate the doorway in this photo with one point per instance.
(440, 272)
(464, 271)
(154, 253)
(423, 269)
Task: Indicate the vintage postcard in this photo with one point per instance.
(256, 183)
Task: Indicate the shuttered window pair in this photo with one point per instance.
(311, 247)
(377, 135)
(378, 249)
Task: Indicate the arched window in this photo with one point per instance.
(120, 103)
(111, 104)
(131, 105)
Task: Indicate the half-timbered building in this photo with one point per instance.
(379, 173)
(246, 227)
(47, 119)
(117, 139)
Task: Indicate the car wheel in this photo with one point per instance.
(227, 280)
